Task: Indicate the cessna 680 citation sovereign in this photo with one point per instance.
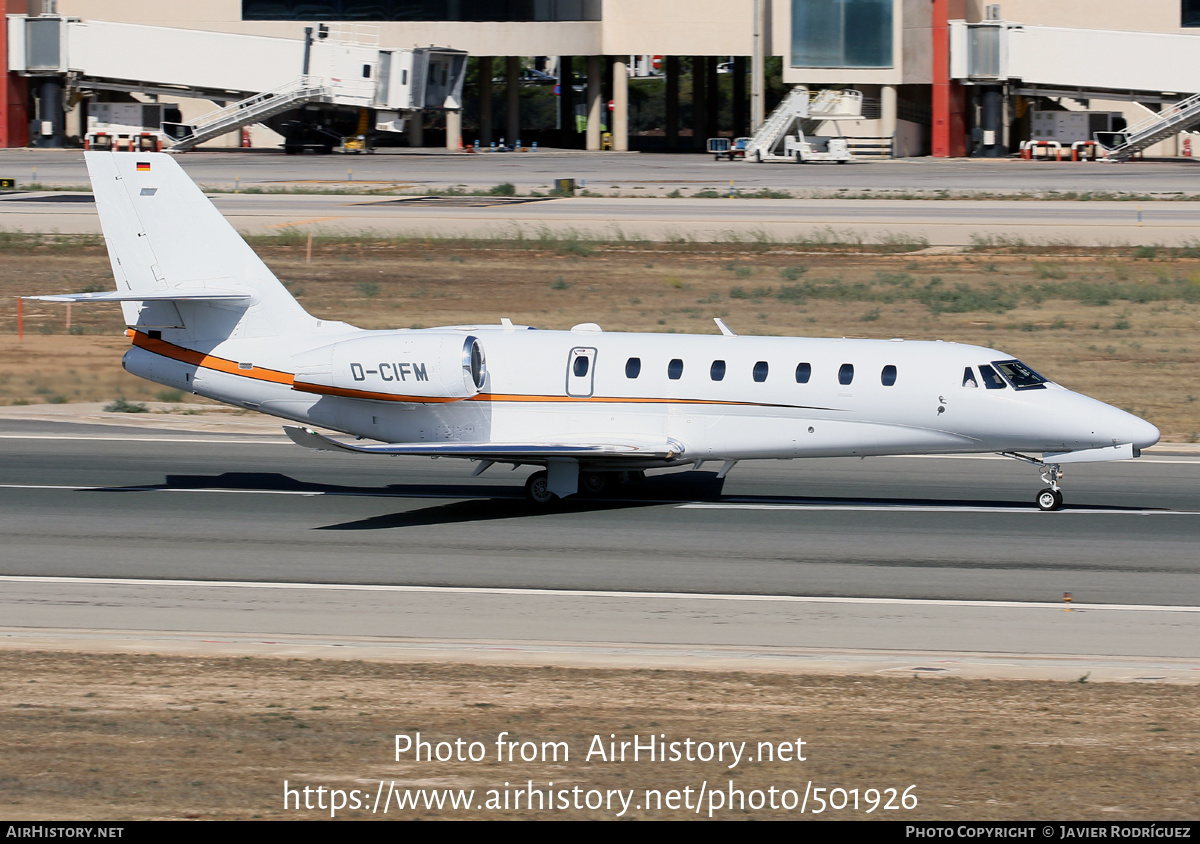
(206, 315)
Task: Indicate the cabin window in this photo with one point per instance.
(846, 373)
(717, 370)
(969, 378)
(803, 372)
(580, 366)
(991, 379)
(633, 367)
(760, 371)
(1020, 375)
(888, 376)
(675, 369)
(366, 71)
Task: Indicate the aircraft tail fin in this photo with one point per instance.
(167, 240)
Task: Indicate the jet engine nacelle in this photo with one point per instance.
(420, 365)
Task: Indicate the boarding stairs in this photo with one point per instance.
(801, 111)
(255, 109)
(1174, 118)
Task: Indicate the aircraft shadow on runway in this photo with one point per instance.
(475, 502)
(478, 502)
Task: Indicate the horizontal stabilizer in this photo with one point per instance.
(1092, 455)
(491, 451)
(151, 296)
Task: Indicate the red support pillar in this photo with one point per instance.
(14, 90)
(949, 98)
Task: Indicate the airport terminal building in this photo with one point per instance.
(941, 77)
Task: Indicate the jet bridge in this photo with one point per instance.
(256, 79)
(1143, 67)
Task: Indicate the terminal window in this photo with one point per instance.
(421, 10)
(1189, 13)
(842, 33)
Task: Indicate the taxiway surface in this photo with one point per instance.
(940, 223)
(644, 208)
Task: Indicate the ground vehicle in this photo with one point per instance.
(724, 148)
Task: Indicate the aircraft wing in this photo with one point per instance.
(647, 450)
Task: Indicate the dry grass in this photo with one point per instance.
(1112, 325)
(131, 737)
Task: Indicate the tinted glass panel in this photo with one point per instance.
(581, 366)
(717, 371)
(888, 376)
(1189, 13)
(842, 33)
(969, 378)
(846, 373)
(991, 379)
(675, 369)
(633, 367)
(803, 372)
(760, 371)
(421, 10)
(1020, 375)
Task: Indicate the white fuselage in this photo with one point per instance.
(934, 401)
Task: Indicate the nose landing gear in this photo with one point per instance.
(1050, 498)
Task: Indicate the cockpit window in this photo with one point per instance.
(1020, 375)
(991, 379)
(969, 378)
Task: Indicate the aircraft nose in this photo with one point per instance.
(1140, 432)
(1124, 427)
(1105, 425)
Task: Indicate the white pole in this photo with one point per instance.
(757, 75)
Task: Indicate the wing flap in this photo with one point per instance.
(666, 450)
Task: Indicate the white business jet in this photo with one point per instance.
(206, 315)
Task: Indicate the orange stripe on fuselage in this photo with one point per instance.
(179, 353)
(512, 397)
(170, 350)
(345, 392)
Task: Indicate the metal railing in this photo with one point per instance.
(1173, 118)
(253, 109)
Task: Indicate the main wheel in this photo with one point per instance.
(537, 488)
(592, 483)
(1049, 499)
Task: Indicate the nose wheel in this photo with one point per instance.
(1051, 498)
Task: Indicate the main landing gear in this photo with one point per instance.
(537, 488)
(1050, 498)
(591, 484)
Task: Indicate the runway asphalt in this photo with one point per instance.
(807, 558)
